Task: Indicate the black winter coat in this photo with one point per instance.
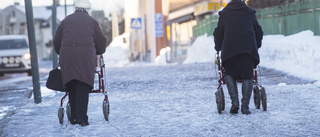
(238, 32)
(78, 41)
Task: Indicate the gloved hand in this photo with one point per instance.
(216, 61)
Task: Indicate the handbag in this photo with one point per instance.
(54, 80)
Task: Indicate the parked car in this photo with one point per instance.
(14, 55)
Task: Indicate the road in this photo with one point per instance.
(171, 100)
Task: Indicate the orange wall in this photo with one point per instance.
(159, 40)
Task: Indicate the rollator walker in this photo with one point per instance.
(259, 92)
(100, 80)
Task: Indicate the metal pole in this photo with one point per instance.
(65, 8)
(140, 33)
(33, 52)
(54, 29)
(4, 24)
(140, 46)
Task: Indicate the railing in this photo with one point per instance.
(286, 19)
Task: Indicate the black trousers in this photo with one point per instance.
(78, 99)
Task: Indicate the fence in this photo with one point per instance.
(287, 19)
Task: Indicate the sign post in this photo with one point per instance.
(137, 24)
(54, 29)
(33, 52)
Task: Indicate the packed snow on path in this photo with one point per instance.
(178, 100)
(173, 100)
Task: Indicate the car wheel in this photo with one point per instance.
(29, 73)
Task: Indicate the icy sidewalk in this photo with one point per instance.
(174, 100)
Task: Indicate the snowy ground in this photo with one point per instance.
(174, 100)
(178, 100)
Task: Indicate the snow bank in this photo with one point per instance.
(297, 55)
(164, 56)
(201, 50)
(116, 54)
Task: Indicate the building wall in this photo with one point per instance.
(181, 38)
(151, 29)
(131, 11)
(11, 20)
(160, 39)
(142, 41)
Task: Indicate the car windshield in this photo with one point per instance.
(13, 44)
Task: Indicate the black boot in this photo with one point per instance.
(247, 85)
(74, 121)
(245, 110)
(85, 122)
(233, 92)
(234, 109)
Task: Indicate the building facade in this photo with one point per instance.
(165, 23)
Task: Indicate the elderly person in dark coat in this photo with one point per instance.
(238, 36)
(78, 41)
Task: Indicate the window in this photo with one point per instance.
(13, 44)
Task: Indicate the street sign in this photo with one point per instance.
(158, 24)
(136, 23)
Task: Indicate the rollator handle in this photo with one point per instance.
(217, 60)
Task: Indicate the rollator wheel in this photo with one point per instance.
(264, 99)
(60, 115)
(256, 97)
(106, 109)
(218, 101)
(68, 111)
(222, 99)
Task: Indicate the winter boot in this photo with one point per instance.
(233, 92)
(84, 122)
(234, 109)
(247, 85)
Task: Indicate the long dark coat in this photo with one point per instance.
(78, 41)
(238, 32)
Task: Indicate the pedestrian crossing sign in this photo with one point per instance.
(136, 23)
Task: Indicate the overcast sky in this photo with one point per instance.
(105, 5)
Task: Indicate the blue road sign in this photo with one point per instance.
(158, 25)
(136, 23)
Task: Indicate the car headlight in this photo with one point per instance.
(18, 59)
(5, 60)
(26, 56)
(11, 60)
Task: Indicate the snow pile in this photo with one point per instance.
(164, 56)
(202, 50)
(116, 54)
(297, 55)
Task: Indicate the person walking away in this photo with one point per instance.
(78, 41)
(238, 36)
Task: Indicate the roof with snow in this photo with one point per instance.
(45, 12)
